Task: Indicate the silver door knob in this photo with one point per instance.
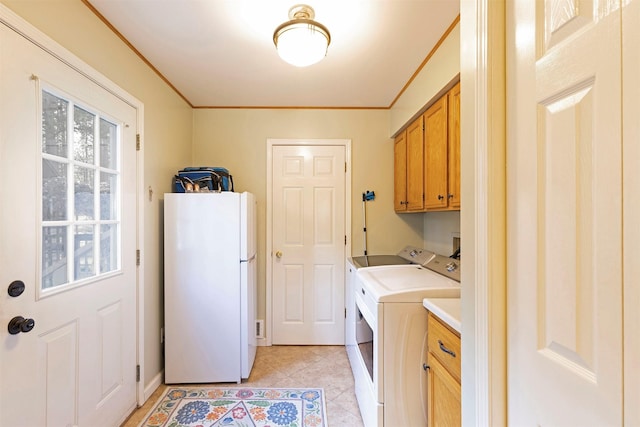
(278, 254)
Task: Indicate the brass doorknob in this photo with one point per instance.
(278, 254)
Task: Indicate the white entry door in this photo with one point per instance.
(67, 237)
(565, 214)
(308, 244)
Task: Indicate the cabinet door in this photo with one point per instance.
(400, 173)
(435, 155)
(443, 397)
(415, 150)
(454, 147)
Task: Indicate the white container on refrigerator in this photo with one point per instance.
(209, 286)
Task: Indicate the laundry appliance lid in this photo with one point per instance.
(406, 283)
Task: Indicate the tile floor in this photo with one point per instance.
(296, 366)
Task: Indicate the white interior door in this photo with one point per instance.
(565, 305)
(308, 244)
(67, 227)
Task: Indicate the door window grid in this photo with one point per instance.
(80, 193)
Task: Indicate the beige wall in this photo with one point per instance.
(442, 69)
(237, 140)
(439, 229)
(167, 131)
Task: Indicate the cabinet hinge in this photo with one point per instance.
(345, 167)
(137, 142)
(137, 373)
(345, 240)
(137, 257)
(345, 312)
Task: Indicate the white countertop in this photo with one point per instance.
(447, 309)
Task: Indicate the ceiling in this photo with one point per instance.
(220, 53)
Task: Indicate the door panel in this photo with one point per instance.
(436, 137)
(415, 165)
(565, 233)
(453, 154)
(77, 365)
(308, 244)
(400, 172)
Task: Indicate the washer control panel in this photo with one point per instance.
(416, 255)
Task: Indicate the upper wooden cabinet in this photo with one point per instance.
(427, 158)
(400, 172)
(436, 125)
(415, 150)
(454, 147)
(408, 172)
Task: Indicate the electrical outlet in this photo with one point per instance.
(455, 240)
(259, 328)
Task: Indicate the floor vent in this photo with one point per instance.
(259, 328)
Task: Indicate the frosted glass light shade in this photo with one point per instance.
(301, 41)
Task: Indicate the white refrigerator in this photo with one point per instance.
(209, 286)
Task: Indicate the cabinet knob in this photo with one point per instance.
(425, 367)
(450, 196)
(440, 197)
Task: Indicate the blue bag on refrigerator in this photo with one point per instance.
(205, 177)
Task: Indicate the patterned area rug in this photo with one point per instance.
(238, 407)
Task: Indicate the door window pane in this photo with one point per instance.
(108, 192)
(108, 144)
(108, 248)
(54, 190)
(54, 256)
(84, 128)
(54, 125)
(84, 193)
(83, 252)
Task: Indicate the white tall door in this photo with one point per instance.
(308, 252)
(67, 232)
(565, 279)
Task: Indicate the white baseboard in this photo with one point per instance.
(262, 342)
(153, 386)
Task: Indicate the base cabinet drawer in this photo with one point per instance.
(444, 343)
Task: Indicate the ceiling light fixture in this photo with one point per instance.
(301, 41)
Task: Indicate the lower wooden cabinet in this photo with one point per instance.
(443, 374)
